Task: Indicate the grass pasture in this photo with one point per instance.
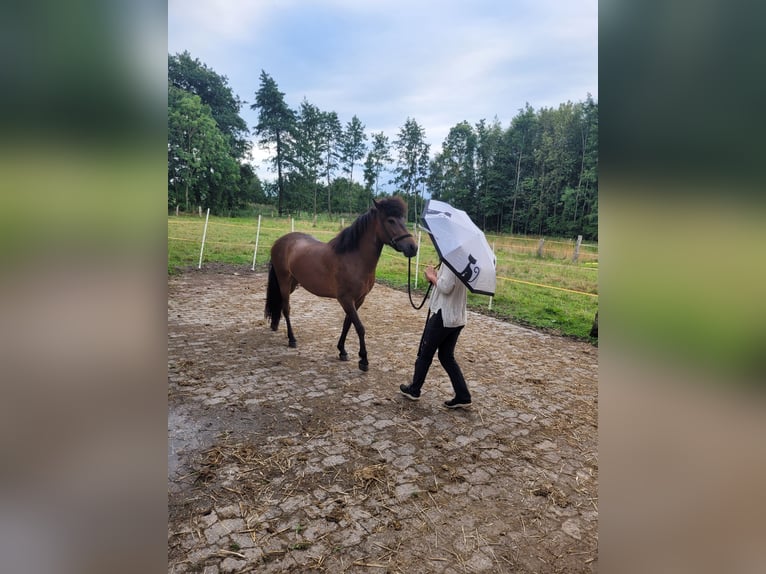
(546, 291)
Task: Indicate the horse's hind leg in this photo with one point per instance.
(290, 336)
(342, 341)
(286, 312)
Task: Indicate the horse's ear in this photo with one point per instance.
(375, 203)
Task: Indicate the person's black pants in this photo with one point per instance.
(437, 337)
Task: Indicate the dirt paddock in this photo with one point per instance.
(289, 460)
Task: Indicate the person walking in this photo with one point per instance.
(440, 334)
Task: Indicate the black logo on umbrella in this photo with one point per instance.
(471, 271)
(436, 212)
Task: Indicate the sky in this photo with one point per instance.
(438, 62)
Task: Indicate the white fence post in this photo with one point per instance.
(257, 235)
(417, 261)
(490, 297)
(577, 249)
(204, 234)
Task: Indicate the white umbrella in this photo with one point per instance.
(461, 245)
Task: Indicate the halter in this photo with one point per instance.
(395, 240)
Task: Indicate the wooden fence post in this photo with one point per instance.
(540, 247)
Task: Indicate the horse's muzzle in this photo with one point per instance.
(409, 248)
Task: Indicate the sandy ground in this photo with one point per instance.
(289, 460)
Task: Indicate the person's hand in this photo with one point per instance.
(430, 274)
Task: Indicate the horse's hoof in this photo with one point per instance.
(364, 366)
(343, 356)
(292, 344)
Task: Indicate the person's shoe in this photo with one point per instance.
(458, 403)
(409, 393)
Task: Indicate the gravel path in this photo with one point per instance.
(289, 460)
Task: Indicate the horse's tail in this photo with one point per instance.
(273, 309)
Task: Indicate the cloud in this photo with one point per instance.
(385, 61)
(260, 156)
(201, 24)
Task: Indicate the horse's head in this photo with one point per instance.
(392, 226)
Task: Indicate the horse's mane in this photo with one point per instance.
(348, 239)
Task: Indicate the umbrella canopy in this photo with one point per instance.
(461, 245)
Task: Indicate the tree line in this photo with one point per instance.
(538, 176)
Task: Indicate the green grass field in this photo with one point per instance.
(546, 292)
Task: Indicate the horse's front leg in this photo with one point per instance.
(353, 317)
(342, 341)
(363, 364)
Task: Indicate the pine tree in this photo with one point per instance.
(276, 127)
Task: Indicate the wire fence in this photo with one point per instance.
(519, 259)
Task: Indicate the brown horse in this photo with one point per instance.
(343, 268)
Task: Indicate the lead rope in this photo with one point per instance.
(409, 288)
(409, 292)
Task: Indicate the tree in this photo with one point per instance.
(276, 126)
(308, 148)
(251, 189)
(199, 162)
(437, 176)
(490, 183)
(587, 184)
(377, 159)
(519, 142)
(349, 197)
(352, 147)
(458, 158)
(412, 163)
(541, 174)
(194, 77)
(331, 135)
